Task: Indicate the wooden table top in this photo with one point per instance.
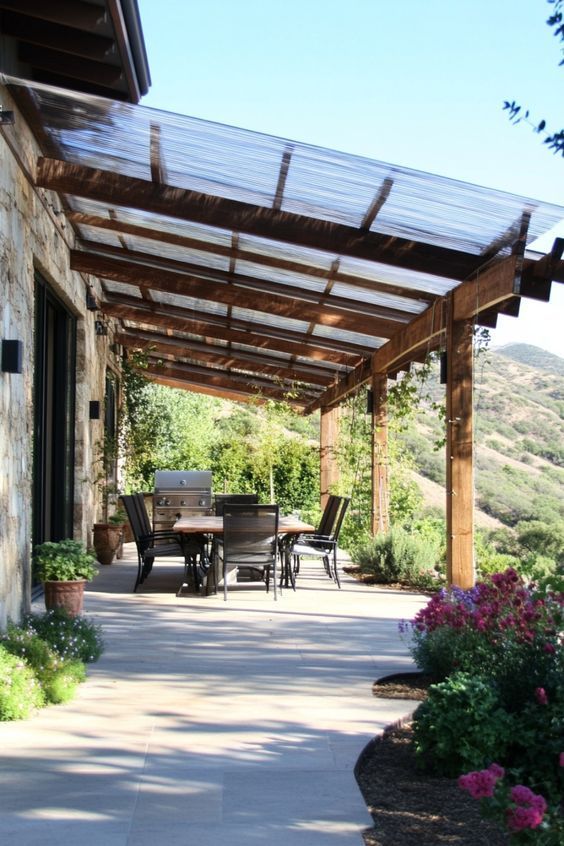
(214, 525)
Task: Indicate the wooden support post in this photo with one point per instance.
(380, 481)
(328, 434)
(459, 446)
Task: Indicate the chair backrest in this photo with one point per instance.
(221, 499)
(250, 534)
(131, 505)
(344, 504)
(329, 515)
(143, 514)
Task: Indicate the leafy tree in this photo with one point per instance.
(555, 141)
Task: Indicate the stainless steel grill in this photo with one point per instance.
(180, 493)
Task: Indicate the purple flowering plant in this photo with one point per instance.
(500, 627)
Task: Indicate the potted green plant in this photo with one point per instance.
(119, 519)
(107, 535)
(64, 567)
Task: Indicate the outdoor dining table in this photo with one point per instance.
(288, 528)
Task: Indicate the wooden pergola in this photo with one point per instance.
(246, 266)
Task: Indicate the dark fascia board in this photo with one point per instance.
(132, 19)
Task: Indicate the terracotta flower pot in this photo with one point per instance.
(67, 595)
(106, 539)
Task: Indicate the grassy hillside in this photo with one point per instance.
(519, 435)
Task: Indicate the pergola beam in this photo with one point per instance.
(209, 390)
(244, 254)
(484, 291)
(158, 279)
(210, 210)
(223, 357)
(198, 273)
(217, 379)
(239, 331)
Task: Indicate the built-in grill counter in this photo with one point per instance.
(181, 493)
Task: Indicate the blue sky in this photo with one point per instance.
(418, 84)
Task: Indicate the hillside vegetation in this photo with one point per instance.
(267, 448)
(519, 435)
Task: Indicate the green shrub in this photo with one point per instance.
(500, 628)
(461, 726)
(71, 637)
(20, 691)
(400, 556)
(58, 677)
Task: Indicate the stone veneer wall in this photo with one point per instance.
(35, 236)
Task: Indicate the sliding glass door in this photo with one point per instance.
(54, 394)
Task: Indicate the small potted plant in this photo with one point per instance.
(64, 567)
(119, 519)
(107, 534)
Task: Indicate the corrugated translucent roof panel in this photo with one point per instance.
(163, 224)
(287, 252)
(240, 165)
(363, 295)
(274, 320)
(284, 357)
(350, 337)
(386, 273)
(284, 277)
(195, 305)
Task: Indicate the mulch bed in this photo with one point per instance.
(411, 808)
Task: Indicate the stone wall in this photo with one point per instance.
(35, 236)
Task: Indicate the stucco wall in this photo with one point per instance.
(35, 236)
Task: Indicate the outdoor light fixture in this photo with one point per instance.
(91, 302)
(443, 368)
(94, 411)
(12, 356)
(6, 117)
(100, 327)
(369, 402)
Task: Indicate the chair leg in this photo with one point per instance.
(139, 571)
(335, 570)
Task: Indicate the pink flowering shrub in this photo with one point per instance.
(510, 637)
(500, 628)
(481, 784)
(526, 815)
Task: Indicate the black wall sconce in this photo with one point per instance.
(91, 301)
(443, 368)
(12, 356)
(94, 410)
(6, 117)
(369, 402)
(100, 327)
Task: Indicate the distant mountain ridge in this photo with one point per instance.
(533, 357)
(518, 434)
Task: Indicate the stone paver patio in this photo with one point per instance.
(209, 722)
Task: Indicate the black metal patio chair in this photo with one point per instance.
(221, 499)
(160, 544)
(250, 541)
(323, 546)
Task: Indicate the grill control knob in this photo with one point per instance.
(202, 502)
(183, 502)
